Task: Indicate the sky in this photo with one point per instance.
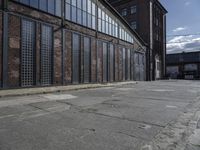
(183, 25)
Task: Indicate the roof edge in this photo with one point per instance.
(124, 21)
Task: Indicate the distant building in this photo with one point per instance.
(148, 18)
(183, 65)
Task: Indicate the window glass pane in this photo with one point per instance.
(79, 3)
(67, 11)
(84, 18)
(68, 1)
(93, 22)
(84, 5)
(99, 24)
(74, 14)
(25, 2)
(58, 7)
(34, 3)
(103, 15)
(51, 6)
(89, 20)
(89, 7)
(93, 9)
(99, 13)
(73, 2)
(106, 27)
(43, 5)
(103, 26)
(79, 16)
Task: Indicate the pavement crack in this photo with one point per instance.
(124, 118)
(132, 136)
(38, 108)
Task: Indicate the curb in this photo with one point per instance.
(45, 90)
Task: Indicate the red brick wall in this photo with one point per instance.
(100, 61)
(67, 58)
(13, 51)
(57, 57)
(1, 42)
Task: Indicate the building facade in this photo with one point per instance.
(183, 65)
(63, 42)
(148, 18)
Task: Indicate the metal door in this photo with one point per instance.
(141, 61)
(111, 63)
(27, 53)
(46, 55)
(76, 58)
(128, 64)
(124, 63)
(87, 57)
(139, 64)
(136, 67)
(105, 62)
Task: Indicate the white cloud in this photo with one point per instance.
(183, 43)
(187, 3)
(180, 29)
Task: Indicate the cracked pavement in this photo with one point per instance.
(145, 116)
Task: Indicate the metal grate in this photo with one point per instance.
(27, 53)
(46, 55)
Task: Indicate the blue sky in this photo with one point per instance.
(183, 18)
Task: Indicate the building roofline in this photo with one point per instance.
(109, 6)
(184, 53)
(161, 6)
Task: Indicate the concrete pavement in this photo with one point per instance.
(144, 116)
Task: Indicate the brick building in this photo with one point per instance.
(183, 65)
(62, 42)
(148, 18)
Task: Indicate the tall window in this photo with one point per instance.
(133, 9)
(46, 55)
(82, 12)
(27, 53)
(134, 25)
(124, 12)
(51, 6)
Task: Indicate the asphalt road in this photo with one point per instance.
(128, 117)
